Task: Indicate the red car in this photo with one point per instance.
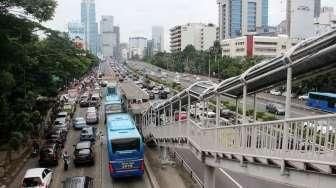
(180, 116)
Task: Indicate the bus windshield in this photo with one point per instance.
(125, 144)
(113, 108)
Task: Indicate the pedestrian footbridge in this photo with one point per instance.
(294, 151)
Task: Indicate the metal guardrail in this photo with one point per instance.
(179, 159)
(308, 138)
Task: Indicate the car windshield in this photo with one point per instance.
(31, 182)
(46, 151)
(83, 151)
(91, 115)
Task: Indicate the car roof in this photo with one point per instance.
(62, 113)
(34, 172)
(83, 145)
(62, 119)
(75, 182)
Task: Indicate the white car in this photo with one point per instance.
(275, 92)
(91, 109)
(304, 97)
(37, 178)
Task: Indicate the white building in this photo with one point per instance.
(300, 16)
(241, 17)
(326, 22)
(107, 36)
(158, 39)
(201, 36)
(250, 45)
(137, 47)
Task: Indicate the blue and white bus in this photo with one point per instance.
(125, 146)
(124, 143)
(322, 101)
(113, 100)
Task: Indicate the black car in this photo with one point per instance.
(151, 95)
(49, 154)
(84, 153)
(57, 137)
(88, 134)
(84, 103)
(78, 182)
(163, 95)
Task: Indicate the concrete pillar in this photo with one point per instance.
(164, 154)
(209, 177)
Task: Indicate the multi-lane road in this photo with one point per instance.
(187, 79)
(99, 171)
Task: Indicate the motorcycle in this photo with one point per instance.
(66, 163)
(35, 152)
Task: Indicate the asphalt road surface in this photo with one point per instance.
(99, 171)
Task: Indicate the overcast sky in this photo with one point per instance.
(135, 17)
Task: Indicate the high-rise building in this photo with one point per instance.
(158, 39)
(116, 47)
(149, 49)
(110, 37)
(137, 47)
(123, 50)
(300, 18)
(88, 19)
(317, 8)
(76, 34)
(107, 36)
(201, 36)
(241, 17)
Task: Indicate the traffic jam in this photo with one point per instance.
(51, 153)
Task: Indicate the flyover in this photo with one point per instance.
(296, 151)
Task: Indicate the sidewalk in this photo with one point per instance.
(168, 176)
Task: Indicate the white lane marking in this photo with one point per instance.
(231, 178)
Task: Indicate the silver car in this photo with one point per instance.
(79, 123)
